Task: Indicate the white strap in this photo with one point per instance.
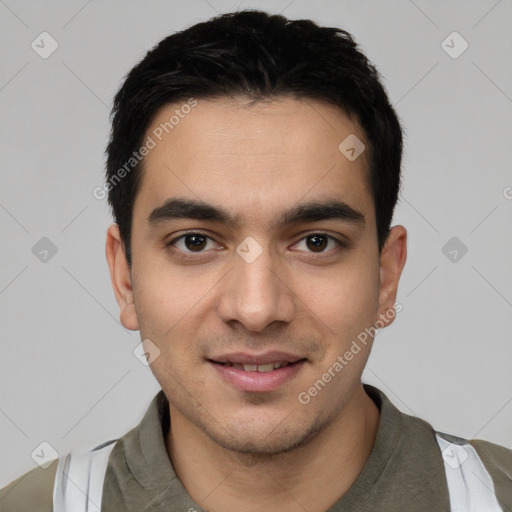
(79, 480)
(470, 486)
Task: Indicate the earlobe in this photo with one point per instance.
(392, 261)
(120, 276)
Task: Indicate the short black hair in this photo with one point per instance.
(259, 56)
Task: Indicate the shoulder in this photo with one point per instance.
(494, 454)
(497, 459)
(31, 491)
(498, 463)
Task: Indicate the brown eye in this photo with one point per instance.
(195, 242)
(316, 243)
(192, 242)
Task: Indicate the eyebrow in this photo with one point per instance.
(313, 211)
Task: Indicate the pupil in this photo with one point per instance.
(195, 242)
(317, 242)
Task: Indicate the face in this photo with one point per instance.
(254, 241)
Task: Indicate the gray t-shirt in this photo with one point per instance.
(405, 470)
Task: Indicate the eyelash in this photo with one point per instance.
(192, 254)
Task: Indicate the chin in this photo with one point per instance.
(251, 437)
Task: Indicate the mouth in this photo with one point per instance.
(261, 368)
(257, 378)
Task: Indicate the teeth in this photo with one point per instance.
(262, 368)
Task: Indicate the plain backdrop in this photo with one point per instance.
(68, 372)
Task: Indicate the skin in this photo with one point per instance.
(236, 450)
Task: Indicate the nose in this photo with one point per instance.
(256, 294)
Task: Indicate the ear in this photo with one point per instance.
(392, 261)
(120, 276)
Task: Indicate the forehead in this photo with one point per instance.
(253, 160)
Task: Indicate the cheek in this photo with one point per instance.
(171, 302)
(159, 296)
(349, 308)
(348, 301)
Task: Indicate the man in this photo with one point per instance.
(253, 169)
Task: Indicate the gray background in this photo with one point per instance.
(68, 373)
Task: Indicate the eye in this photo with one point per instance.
(318, 242)
(192, 242)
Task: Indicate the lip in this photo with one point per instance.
(273, 356)
(258, 382)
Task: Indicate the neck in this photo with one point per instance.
(312, 477)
